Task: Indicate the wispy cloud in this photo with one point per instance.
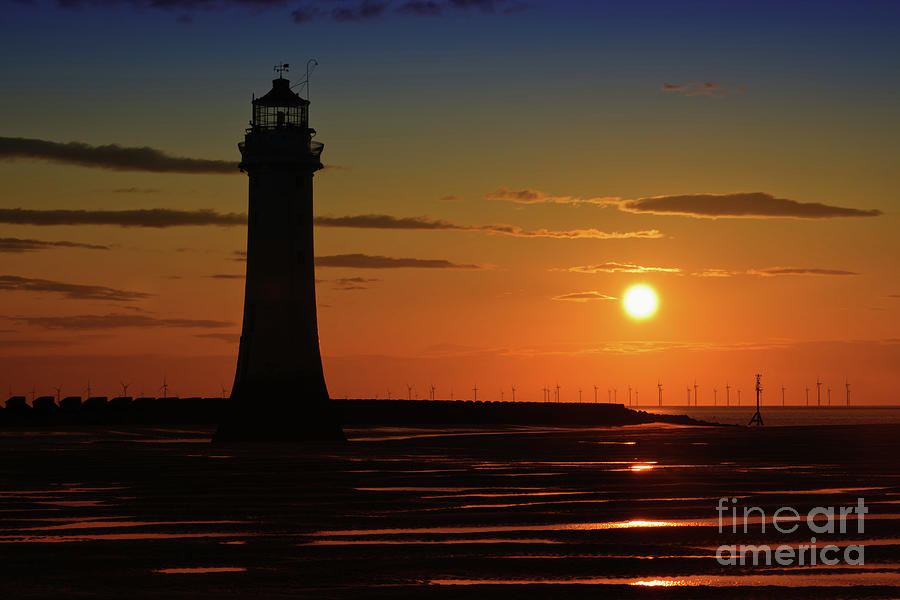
(758, 205)
(527, 196)
(584, 297)
(150, 217)
(17, 245)
(227, 276)
(115, 321)
(775, 271)
(72, 291)
(712, 89)
(366, 261)
(375, 221)
(753, 205)
(135, 190)
(616, 267)
(353, 283)
(338, 11)
(110, 156)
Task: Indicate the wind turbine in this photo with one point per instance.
(807, 395)
(818, 392)
(579, 395)
(615, 396)
(782, 394)
(727, 394)
(629, 394)
(829, 395)
(475, 392)
(689, 395)
(715, 396)
(739, 397)
(659, 389)
(513, 388)
(637, 399)
(696, 395)
(164, 387)
(595, 394)
(58, 390)
(847, 385)
(433, 389)
(557, 392)
(124, 388)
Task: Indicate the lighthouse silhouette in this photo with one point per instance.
(279, 391)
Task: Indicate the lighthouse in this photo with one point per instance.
(279, 391)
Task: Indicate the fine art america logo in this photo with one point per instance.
(820, 520)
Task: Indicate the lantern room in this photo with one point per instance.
(280, 108)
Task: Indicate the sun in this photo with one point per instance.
(640, 301)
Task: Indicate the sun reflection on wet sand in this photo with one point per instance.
(193, 570)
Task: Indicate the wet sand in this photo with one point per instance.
(404, 512)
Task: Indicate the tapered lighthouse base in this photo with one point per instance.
(252, 418)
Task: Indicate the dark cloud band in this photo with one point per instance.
(72, 291)
(110, 156)
(154, 217)
(366, 261)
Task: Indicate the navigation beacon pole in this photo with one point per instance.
(279, 391)
(757, 419)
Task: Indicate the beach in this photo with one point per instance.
(462, 511)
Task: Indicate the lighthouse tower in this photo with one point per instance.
(279, 391)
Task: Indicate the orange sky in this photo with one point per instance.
(527, 193)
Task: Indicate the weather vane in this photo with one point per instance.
(281, 68)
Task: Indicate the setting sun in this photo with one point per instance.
(640, 301)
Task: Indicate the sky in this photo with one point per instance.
(498, 174)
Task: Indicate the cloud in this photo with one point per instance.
(339, 11)
(135, 190)
(715, 273)
(366, 261)
(712, 89)
(775, 271)
(421, 8)
(353, 283)
(893, 295)
(450, 198)
(758, 205)
(227, 276)
(537, 197)
(149, 217)
(110, 156)
(375, 221)
(72, 291)
(115, 321)
(615, 267)
(584, 297)
(17, 245)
